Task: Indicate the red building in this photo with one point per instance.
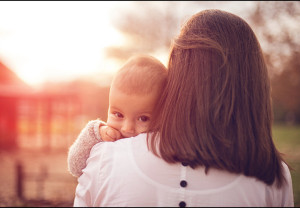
(35, 119)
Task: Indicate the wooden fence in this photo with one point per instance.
(40, 179)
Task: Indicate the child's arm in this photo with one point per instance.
(88, 137)
(80, 149)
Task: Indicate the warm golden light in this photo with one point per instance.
(56, 41)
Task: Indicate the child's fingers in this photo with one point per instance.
(103, 133)
(109, 134)
(113, 134)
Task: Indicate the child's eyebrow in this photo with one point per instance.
(114, 108)
(144, 112)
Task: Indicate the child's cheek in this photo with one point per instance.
(143, 128)
(114, 123)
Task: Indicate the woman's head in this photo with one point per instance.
(217, 107)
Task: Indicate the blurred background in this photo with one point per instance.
(57, 59)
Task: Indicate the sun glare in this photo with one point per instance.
(49, 41)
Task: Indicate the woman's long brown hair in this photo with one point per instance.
(216, 108)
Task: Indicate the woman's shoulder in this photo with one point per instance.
(121, 144)
(286, 169)
(136, 139)
(119, 153)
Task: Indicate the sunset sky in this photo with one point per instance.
(60, 40)
(43, 41)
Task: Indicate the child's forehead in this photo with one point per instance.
(140, 77)
(132, 88)
(138, 91)
(131, 103)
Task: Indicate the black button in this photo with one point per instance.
(183, 183)
(182, 204)
(184, 163)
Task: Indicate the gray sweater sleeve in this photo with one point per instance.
(80, 149)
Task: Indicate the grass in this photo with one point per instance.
(287, 140)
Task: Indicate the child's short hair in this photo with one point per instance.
(141, 74)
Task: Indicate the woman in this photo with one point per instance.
(212, 144)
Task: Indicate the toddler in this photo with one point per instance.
(133, 94)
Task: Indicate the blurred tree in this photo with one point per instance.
(148, 28)
(286, 91)
(277, 24)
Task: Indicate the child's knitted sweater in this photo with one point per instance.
(80, 149)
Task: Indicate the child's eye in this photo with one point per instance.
(118, 115)
(144, 118)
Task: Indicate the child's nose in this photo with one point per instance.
(128, 129)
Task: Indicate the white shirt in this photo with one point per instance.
(125, 173)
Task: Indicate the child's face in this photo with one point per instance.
(130, 114)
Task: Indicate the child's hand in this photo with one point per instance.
(109, 134)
